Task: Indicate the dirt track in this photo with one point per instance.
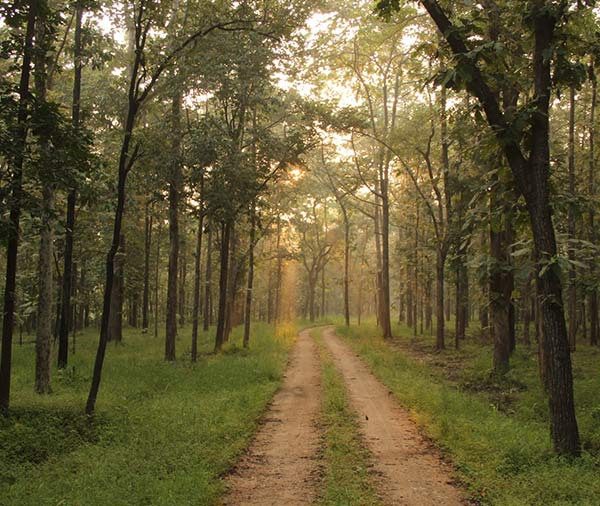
(281, 467)
(412, 474)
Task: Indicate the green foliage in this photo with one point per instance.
(163, 435)
(499, 446)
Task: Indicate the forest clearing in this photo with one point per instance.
(266, 252)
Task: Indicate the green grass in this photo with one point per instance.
(163, 435)
(346, 479)
(496, 434)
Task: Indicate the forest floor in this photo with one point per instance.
(327, 419)
(411, 470)
(164, 434)
(494, 431)
(282, 464)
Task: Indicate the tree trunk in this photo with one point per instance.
(232, 274)
(572, 227)
(428, 309)
(127, 158)
(440, 262)
(182, 276)
(378, 288)
(250, 285)
(197, 276)
(44, 308)
(277, 309)
(44, 302)
(401, 292)
(564, 430)
(115, 325)
(531, 174)
(83, 296)
(346, 268)
(148, 222)
(65, 314)
(461, 302)
(409, 298)
(593, 296)
(125, 163)
(484, 306)
(415, 280)
(16, 195)
(311, 297)
(223, 283)
(527, 310)
(270, 283)
(157, 278)
(174, 191)
(499, 310)
(208, 280)
(135, 309)
(421, 296)
(323, 294)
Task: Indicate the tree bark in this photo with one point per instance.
(84, 296)
(250, 285)
(44, 303)
(232, 273)
(126, 160)
(277, 309)
(174, 195)
(572, 227)
(148, 222)
(65, 314)
(270, 284)
(531, 175)
(346, 267)
(462, 280)
(157, 278)
(115, 323)
(593, 296)
(223, 283)
(16, 195)
(197, 275)
(499, 298)
(45, 287)
(181, 300)
(386, 324)
(440, 263)
(528, 309)
(311, 297)
(208, 280)
(409, 297)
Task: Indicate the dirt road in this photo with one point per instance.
(411, 472)
(281, 466)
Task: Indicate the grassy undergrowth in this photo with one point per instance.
(163, 433)
(346, 480)
(496, 434)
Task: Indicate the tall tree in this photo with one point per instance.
(139, 91)
(45, 283)
(530, 165)
(16, 162)
(67, 289)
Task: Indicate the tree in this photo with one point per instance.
(16, 160)
(139, 91)
(530, 165)
(65, 315)
(44, 306)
